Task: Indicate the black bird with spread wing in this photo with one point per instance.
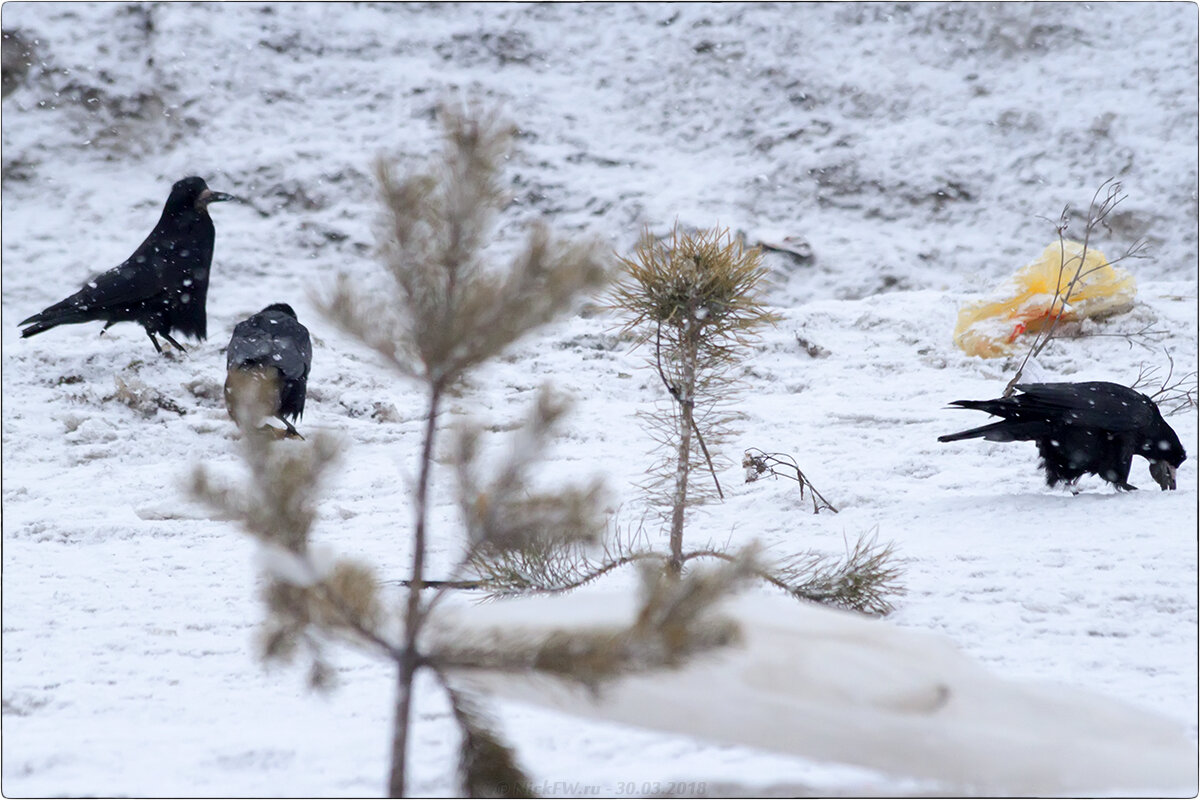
(267, 363)
(162, 286)
(1081, 428)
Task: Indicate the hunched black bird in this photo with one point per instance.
(162, 286)
(267, 362)
(1095, 427)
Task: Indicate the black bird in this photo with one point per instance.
(268, 360)
(1096, 427)
(162, 286)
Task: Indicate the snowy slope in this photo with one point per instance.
(914, 148)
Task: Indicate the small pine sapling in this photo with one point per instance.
(696, 298)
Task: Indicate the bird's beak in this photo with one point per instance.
(1163, 474)
(209, 196)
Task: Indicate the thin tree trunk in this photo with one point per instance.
(412, 620)
(675, 563)
(687, 393)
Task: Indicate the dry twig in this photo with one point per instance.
(782, 465)
(1098, 212)
(1178, 394)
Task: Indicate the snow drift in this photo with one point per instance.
(832, 685)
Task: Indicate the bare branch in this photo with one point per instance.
(1098, 212)
(1177, 395)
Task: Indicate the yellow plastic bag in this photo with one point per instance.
(990, 328)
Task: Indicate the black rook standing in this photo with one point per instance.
(162, 286)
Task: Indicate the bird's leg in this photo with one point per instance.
(1121, 479)
(271, 432)
(178, 346)
(291, 429)
(153, 341)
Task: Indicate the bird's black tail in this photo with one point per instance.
(38, 323)
(974, 433)
(52, 317)
(1016, 425)
(995, 407)
(34, 330)
(1003, 431)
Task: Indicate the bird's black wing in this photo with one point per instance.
(271, 340)
(1098, 404)
(128, 284)
(250, 345)
(178, 253)
(292, 347)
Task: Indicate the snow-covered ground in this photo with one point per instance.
(916, 149)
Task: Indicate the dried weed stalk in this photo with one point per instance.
(781, 465)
